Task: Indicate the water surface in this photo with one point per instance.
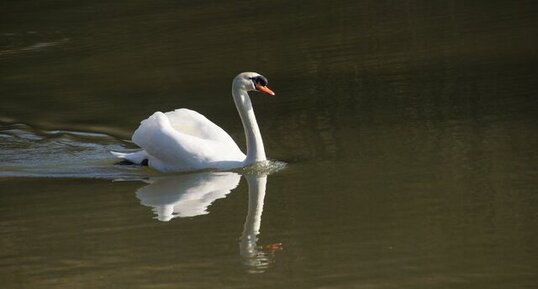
(408, 129)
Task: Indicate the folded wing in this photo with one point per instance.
(184, 139)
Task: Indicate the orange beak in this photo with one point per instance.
(264, 89)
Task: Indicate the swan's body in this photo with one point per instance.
(184, 140)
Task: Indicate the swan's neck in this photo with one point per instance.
(255, 149)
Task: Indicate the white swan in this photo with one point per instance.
(184, 140)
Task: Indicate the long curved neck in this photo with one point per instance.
(255, 149)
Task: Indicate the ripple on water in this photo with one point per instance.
(31, 152)
(263, 168)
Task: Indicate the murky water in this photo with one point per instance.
(408, 130)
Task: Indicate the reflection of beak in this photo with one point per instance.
(264, 89)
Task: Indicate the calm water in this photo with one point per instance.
(409, 131)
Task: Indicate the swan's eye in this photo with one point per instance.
(259, 80)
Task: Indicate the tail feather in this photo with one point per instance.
(139, 157)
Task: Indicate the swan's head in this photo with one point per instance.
(252, 81)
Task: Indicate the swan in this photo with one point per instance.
(184, 140)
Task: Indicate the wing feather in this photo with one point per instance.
(186, 139)
(193, 123)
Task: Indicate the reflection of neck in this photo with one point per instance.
(255, 149)
(256, 195)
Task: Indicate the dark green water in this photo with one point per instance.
(409, 131)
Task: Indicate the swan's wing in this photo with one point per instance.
(188, 142)
(195, 124)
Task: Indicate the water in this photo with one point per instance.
(408, 131)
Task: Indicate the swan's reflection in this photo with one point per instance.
(186, 195)
(190, 195)
(257, 258)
